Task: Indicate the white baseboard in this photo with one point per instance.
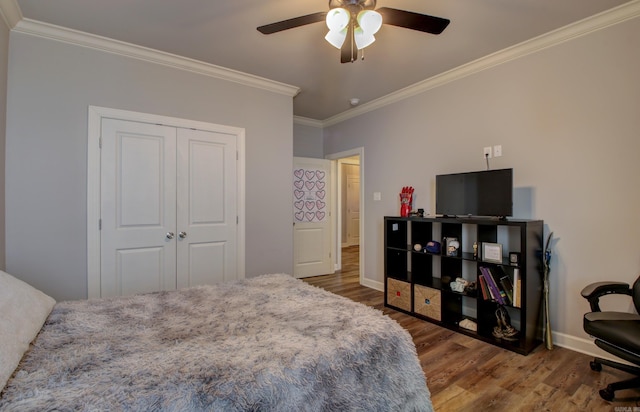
(582, 345)
(373, 284)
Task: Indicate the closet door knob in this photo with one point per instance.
(182, 235)
(170, 235)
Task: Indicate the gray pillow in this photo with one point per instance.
(23, 311)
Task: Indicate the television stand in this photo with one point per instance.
(418, 282)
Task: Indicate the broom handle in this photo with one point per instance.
(548, 339)
(546, 256)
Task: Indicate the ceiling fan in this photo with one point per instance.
(352, 24)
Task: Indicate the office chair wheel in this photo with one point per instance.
(595, 366)
(606, 394)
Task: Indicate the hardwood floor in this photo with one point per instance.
(464, 374)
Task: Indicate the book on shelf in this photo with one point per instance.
(504, 283)
(517, 285)
(507, 286)
(486, 295)
(493, 286)
(492, 293)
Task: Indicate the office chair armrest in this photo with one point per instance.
(595, 291)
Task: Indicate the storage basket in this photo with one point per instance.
(399, 294)
(427, 302)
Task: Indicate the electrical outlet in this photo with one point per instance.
(487, 152)
(497, 151)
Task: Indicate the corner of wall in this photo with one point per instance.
(4, 64)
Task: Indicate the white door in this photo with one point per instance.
(311, 217)
(206, 207)
(138, 208)
(168, 202)
(353, 207)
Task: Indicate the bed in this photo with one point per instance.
(270, 343)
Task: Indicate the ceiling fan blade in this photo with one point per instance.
(413, 21)
(293, 23)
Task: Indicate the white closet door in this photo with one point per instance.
(206, 207)
(138, 208)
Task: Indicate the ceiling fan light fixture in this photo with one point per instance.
(370, 21)
(337, 22)
(338, 19)
(336, 38)
(362, 38)
(359, 20)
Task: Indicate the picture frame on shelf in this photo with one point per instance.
(491, 252)
(514, 258)
(452, 246)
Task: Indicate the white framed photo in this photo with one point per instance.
(491, 252)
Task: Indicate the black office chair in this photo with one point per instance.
(616, 332)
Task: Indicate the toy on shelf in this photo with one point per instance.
(406, 201)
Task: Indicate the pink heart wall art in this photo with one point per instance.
(309, 194)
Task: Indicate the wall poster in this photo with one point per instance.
(309, 204)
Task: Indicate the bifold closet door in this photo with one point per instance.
(206, 207)
(168, 207)
(138, 208)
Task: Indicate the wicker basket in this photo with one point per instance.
(399, 294)
(427, 302)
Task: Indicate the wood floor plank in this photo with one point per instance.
(465, 374)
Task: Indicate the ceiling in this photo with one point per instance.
(224, 33)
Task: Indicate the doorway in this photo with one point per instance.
(350, 200)
(349, 205)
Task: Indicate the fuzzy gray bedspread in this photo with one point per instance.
(271, 343)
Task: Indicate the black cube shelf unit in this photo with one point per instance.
(417, 282)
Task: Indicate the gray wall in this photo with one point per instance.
(4, 55)
(50, 86)
(568, 120)
(307, 141)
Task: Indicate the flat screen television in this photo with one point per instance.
(484, 193)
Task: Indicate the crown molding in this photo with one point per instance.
(78, 38)
(305, 121)
(583, 27)
(10, 12)
(12, 15)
